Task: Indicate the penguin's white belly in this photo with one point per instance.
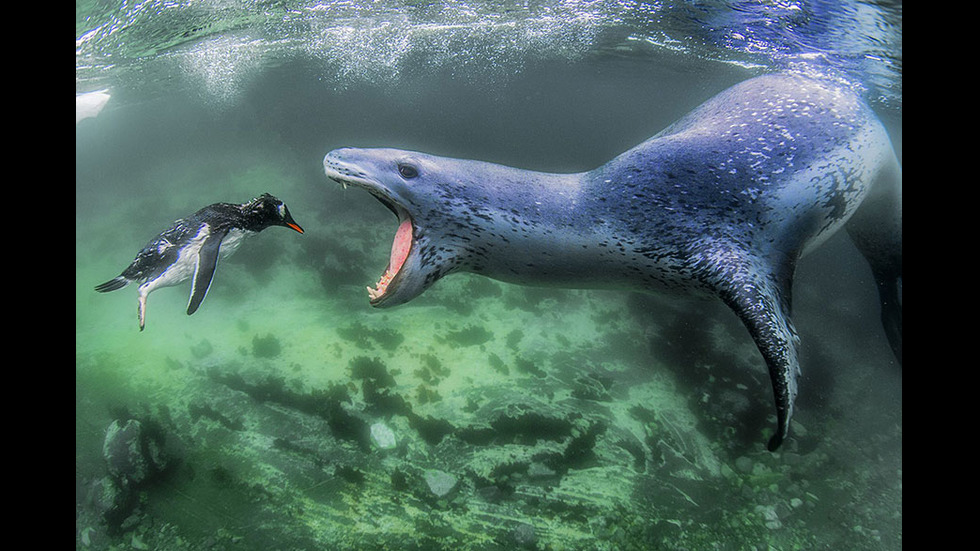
(185, 266)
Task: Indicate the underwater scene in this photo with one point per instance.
(288, 413)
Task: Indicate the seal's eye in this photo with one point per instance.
(407, 171)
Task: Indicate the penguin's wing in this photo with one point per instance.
(207, 261)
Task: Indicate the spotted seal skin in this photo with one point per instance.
(723, 202)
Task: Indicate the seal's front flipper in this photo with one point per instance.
(761, 300)
(207, 261)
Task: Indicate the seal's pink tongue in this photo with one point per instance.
(401, 246)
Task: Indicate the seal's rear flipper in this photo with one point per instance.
(876, 230)
(762, 301)
(890, 293)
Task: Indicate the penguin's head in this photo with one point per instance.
(265, 211)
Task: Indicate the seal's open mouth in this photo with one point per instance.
(401, 246)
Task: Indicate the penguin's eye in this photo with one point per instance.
(407, 171)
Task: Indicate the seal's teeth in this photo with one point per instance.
(382, 285)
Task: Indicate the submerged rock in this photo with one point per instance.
(770, 516)
(382, 436)
(110, 500)
(134, 454)
(123, 452)
(440, 483)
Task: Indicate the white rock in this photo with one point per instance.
(382, 436)
(439, 482)
(770, 516)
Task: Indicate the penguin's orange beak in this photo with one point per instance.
(287, 220)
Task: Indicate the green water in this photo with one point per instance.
(562, 419)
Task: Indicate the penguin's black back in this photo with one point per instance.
(160, 253)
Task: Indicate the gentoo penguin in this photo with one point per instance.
(190, 247)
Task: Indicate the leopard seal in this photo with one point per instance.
(722, 202)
